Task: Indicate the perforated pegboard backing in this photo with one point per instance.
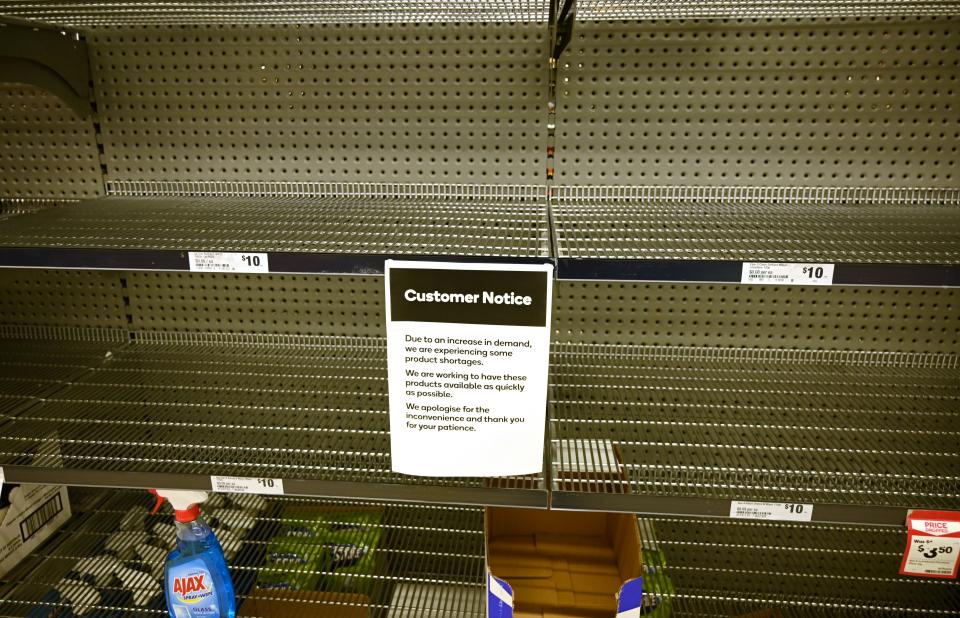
(61, 298)
(828, 318)
(787, 102)
(46, 150)
(272, 304)
(177, 12)
(425, 103)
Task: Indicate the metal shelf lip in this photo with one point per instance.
(719, 508)
(293, 487)
(280, 263)
(729, 271)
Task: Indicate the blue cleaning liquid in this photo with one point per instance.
(195, 576)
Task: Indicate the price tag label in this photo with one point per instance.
(247, 485)
(933, 544)
(771, 511)
(223, 262)
(785, 273)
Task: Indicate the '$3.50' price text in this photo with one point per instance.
(933, 552)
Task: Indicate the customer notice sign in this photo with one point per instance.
(467, 353)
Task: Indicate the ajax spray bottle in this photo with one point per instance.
(195, 577)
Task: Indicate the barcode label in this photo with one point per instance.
(222, 262)
(247, 485)
(773, 511)
(39, 518)
(773, 273)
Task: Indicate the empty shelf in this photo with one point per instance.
(164, 415)
(747, 9)
(105, 14)
(336, 234)
(34, 368)
(646, 238)
(428, 561)
(687, 435)
(734, 568)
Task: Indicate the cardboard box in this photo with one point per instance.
(35, 512)
(305, 604)
(558, 564)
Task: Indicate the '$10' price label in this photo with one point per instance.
(246, 485)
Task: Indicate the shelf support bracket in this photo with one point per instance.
(564, 27)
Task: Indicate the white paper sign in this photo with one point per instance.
(247, 485)
(2, 478)
(467, 353)
(223, 262)
(774, 273)
(779, 511)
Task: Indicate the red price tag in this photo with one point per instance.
(933, 544)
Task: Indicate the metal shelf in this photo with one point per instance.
(754, 9)
(166, 12)
(167, 415)
(439, 549)
(733, 568)
(338, 234)
(862, 441)
(32, 369)
(641, 233)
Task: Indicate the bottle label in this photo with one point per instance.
(191, 588)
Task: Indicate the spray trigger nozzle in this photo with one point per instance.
(158, 503)
(185, 502)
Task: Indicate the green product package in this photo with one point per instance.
(657, 587)
(326, 550)
(351, 540)
(292, 564)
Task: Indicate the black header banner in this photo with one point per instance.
(511, 298)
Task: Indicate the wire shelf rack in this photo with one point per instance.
(754, 9)
(30, 369)
(480, 224)
(428, 560)
(637, 224)
(169, 12)
(149, 414)
(629, 432)
(731, 568)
